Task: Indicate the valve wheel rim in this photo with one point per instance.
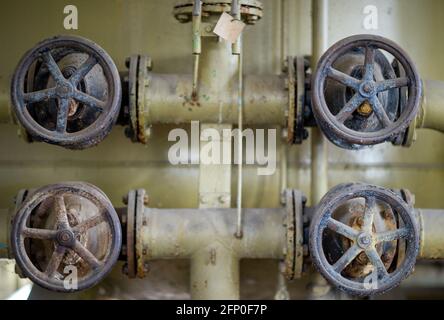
(322, 220)
(66, 90)
(325, 70)
(98, 268)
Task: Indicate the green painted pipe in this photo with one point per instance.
(432, 237)
(431, 115)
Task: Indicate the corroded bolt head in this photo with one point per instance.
(65, 238)
(364, 240)
(367, 88)
(146, 199)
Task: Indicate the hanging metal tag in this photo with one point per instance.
(229, 28)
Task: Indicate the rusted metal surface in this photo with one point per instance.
(365, 240)
(72, 94)
(291, 87)
(290, 254)
(141, 249)
(342, 126)
(67, 224)
(250, 10)
(133, 66)
(143, 129)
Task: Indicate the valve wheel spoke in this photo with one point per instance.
(392, 84)
(377, 263)
(53, 68)
(349, 108)
(62, 115)
(343, 78)
(38, 96)
(83, 70)
(369, 64)
(89, 224)
(392, 235)
(380, 112)
(86, 255)
(347, 258)
(55, 261)
(41, 234)
(369, 213)
(89, 100)
(62, 215)
(342, 229)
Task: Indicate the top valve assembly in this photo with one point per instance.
(365, 91)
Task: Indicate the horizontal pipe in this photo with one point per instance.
(168, 100)
(431, 115)
(180, 233)
(431, 222)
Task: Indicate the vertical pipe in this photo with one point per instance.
(319, 157)
(215, 274)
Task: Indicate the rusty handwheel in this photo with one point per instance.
(356, 236)
(66, 237)
(66, 91)
(356, 93)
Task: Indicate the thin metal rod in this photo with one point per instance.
(284, 31)
(195, 75)
(240, 147)
(197, 44)
(235, 12)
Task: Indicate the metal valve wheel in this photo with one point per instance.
(67, 91)
(66, 237)
(364, 239)
(356, 93)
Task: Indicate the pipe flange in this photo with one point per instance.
(136, 251)
(251, 10)
(138, 82)
(131, 234)
(365, 119)
(294, 251)
(365, 242)
(300, 133)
